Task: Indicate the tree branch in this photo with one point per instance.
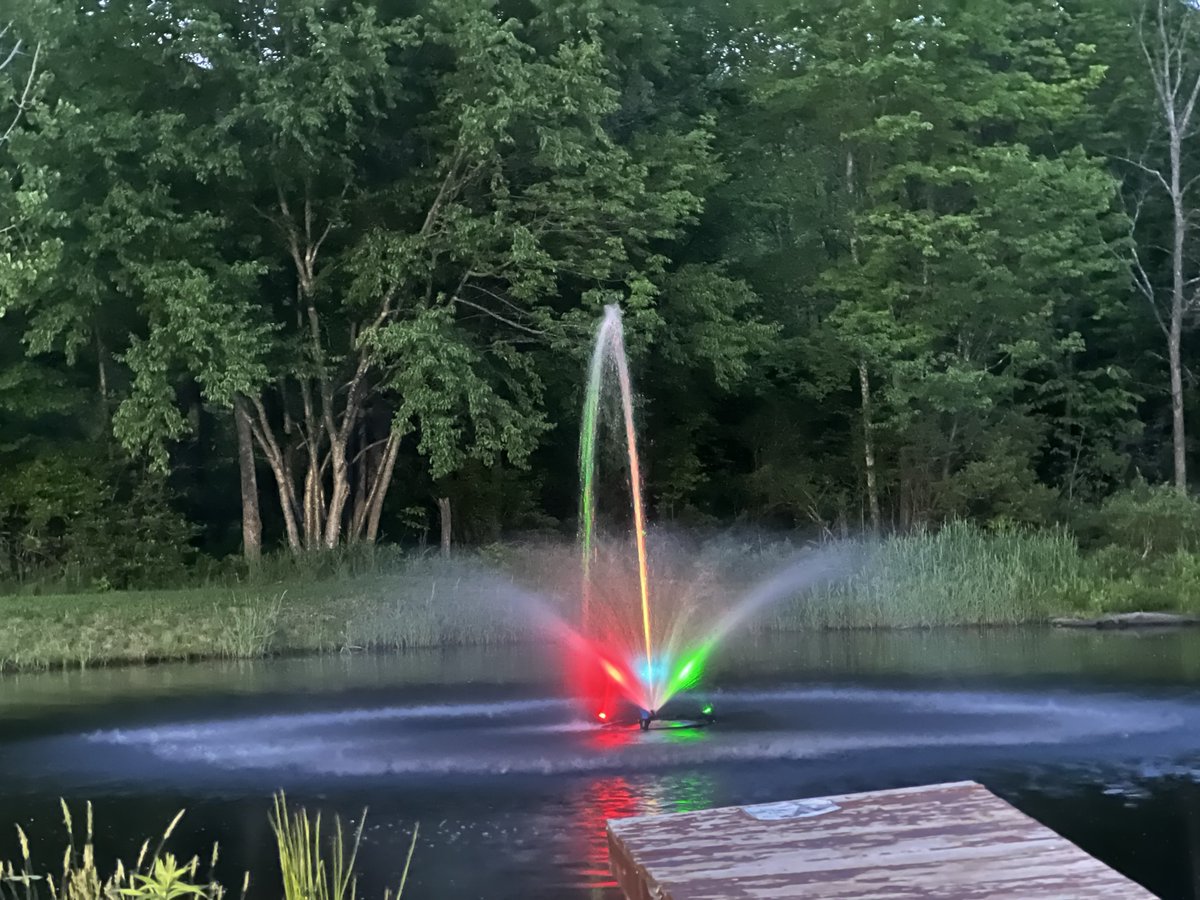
(1147, 169)
(23, 103)
(498, 317)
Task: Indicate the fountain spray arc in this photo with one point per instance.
(643, 653)
(610, 351)
(650, 682)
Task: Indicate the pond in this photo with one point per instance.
(1097, 735)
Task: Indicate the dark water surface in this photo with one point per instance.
(1096, 735)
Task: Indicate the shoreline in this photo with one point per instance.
(1150, 622)
(1125, 621)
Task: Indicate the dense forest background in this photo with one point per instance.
(310, 274)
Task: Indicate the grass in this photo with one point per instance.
(311, 868)
(959, 575)
(156, 875)
(423, 604)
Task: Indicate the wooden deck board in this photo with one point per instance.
(946, 841)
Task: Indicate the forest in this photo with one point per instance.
(298, 277)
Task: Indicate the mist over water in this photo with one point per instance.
(543, 736)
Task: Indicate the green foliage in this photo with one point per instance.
(80, 522)
(154, 875)
(837, 230)
(311, 871)
(166, 880)
(1149, 521)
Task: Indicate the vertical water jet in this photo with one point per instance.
(609, 352)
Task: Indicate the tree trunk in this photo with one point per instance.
(361, 475)
(1178, 435)
(444, 513)
(251, 518)
(379, 489)
(339, 492)
(281, 469)
(864, 382)
(1178, 310)
(1165, 31)
(102, 372)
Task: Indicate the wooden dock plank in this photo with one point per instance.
(947, 841)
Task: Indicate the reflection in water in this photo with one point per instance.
(690, 791)
(616, 797)
(612, 737)
(602, 799)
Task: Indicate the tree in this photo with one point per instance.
(411, 210)
(1168, 32)
(925, 232)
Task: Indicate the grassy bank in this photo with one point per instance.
(419, 604)
(961, 575)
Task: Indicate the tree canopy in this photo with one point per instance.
(882, 263)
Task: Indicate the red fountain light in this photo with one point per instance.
(598, 677)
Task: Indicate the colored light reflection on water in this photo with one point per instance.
(619, 797)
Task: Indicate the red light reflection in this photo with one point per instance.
(606, 798)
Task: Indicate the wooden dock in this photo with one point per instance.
(946, 841)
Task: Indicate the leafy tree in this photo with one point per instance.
(939, 241)
(435, 193)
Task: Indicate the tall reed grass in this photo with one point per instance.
(155, 875)
(250, 629)
(960, 575)
(312, 869)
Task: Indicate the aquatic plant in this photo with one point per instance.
(961, 574)
(153, 876)
(311, 870)
(250, 629)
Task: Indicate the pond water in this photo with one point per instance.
(1097, 735)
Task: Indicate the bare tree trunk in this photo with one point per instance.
(339, 492)
(102, 371)
(361, 474)
(444, 513)
(1178, 434)
(251, 517)
(864, 382)
(1168, 34)
(281, 469)
(379, 489)
(312, 500)
(1179, 308)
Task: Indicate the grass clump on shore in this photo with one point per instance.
(311, 868)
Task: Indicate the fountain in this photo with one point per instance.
(643, 638)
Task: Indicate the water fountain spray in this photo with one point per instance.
(614, 655)
(610, 351)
